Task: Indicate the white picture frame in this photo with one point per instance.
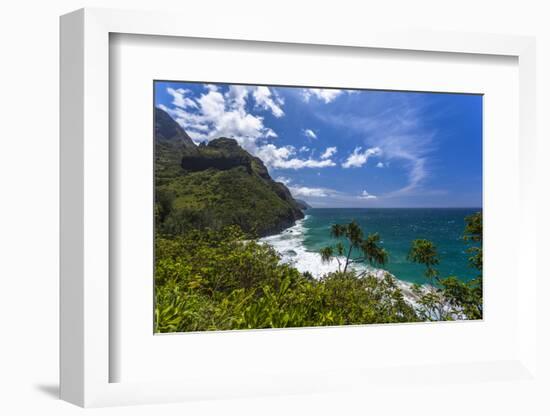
(85, 213)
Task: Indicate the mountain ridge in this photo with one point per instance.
(214, 185)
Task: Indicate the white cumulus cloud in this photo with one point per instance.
(180, 99)
(298, 191)
(283, 158)
(358, 158)
(304, 191)
(323, 94)
(216, 114)
(366, 195)
(310, 134)
(329, 152)
(268, 101)
(283, 179)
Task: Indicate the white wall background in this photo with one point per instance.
(29, 183)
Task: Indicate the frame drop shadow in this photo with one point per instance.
(51, 390)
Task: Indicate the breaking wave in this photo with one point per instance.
(290, 246)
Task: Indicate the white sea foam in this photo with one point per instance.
(290, 247)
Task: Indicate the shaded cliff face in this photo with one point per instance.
(171, 143)
(303, 205)
(167, 131)
(220, 154)
(215, 185)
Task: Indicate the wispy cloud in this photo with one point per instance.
(321, 196)
(395, 127)
(412, 150)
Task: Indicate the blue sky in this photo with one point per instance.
(345, 148)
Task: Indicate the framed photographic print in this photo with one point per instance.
(280, 206)
(316, 214)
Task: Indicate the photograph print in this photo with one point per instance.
(290, 206)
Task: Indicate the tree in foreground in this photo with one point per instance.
(431, 301)
(424, 252)
(468, 296)
(449, 297)
(474, 233)
(353, 240)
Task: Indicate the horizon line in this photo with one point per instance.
(457, 207)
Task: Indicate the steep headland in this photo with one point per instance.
(214, 185)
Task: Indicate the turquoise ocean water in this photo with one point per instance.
(397, 227)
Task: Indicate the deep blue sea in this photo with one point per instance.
(397, 227)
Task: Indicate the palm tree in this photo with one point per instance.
(424, 252)
(337, 230)
(373, 253)
(329, 253)
(352, 233)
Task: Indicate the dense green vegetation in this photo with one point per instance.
(211, 273)
(208, 280)
(215, 280)
(448, 298)
(217, 198)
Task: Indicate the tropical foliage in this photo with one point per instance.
(369, 248)
(449, 298)
(209, 280)
(217, 280)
